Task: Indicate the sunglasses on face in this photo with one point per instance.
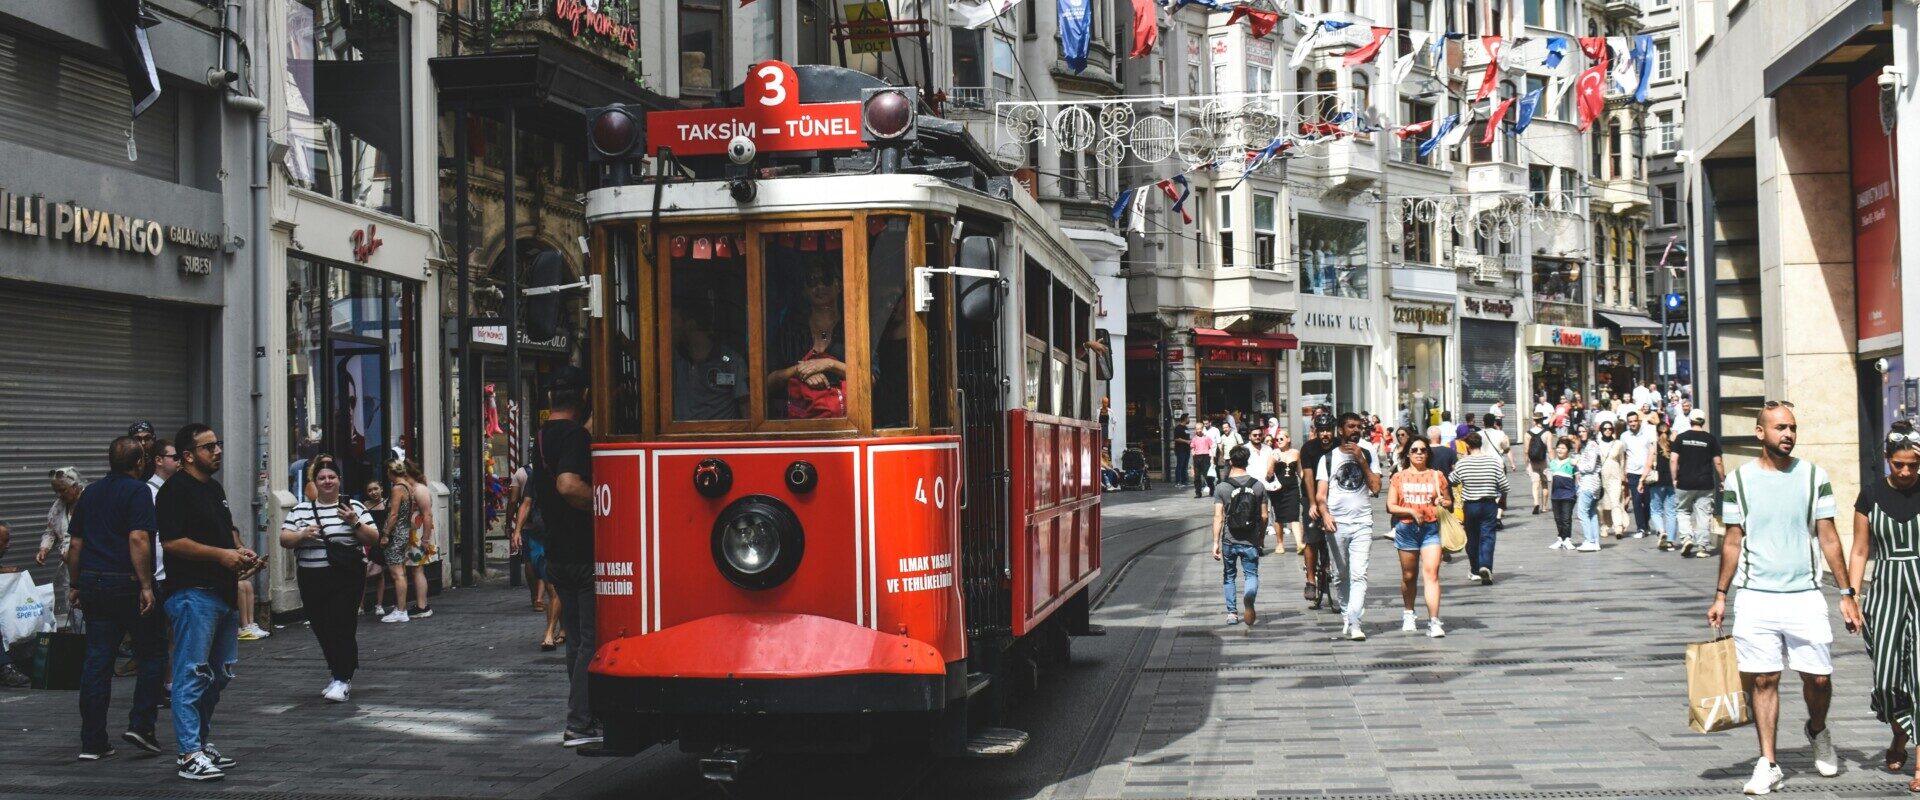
(1778, 404)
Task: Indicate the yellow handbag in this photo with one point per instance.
(1453, 534)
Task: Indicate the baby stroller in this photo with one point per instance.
(1133, 470)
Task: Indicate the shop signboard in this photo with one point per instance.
(34, 215)
(1560, 337)
(1423, 318)
(1876, 211)
(1489, 307)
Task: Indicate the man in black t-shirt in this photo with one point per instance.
(205, 562)
(562, 486)
(1697, 474)
(1314, 528)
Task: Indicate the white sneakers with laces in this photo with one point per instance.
(1588, 547)
(1434, 629)
(1766, 777)
(336, 691)
(396, 615)
(1408, 623)
(1825, 760)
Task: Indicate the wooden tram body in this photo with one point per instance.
(932, 535)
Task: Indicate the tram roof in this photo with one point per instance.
(710, 199)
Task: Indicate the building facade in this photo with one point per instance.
(128, 251)
(1791, 180)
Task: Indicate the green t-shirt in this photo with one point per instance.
(1776, 511)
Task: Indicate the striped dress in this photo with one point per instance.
(1892, 605)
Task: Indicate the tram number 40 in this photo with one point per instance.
(939, 492)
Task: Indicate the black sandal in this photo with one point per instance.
(1897, 758)
(548, 647)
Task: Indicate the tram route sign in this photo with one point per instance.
(773, 117)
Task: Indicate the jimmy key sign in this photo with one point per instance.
(773, 117)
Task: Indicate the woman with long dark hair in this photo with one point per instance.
(1886, 529)
(326, 532)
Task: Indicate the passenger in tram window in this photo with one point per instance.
(808, 338)
(887, 321)
(709, 378)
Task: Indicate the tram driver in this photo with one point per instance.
(809, 339)
(709, 378)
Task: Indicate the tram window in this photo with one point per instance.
(623, 279)
(1037, 298)
(939, 331)
(709, 328)
(888, 318)
(806, 342)
(1082, 326)
(1066, 392)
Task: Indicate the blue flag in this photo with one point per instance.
(1440, 132)
(1332, 25)
(1643, 56)
(1073, 33)
(1529, 103)
(1120, 206)
(1556, 50)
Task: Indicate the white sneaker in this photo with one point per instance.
(1555, 544)
(1346, 627)
(379, 610)
(396, 615)
(1639, 534)
(1588, 547)
(337, 691)
(1766, 777)
(1407, 622)
(1356, 634)
(1434, 630)
(1824, 759)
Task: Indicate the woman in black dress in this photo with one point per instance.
(1286, 499)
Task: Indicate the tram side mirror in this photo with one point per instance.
(543, 308)
(979, 299)
(1103, 355)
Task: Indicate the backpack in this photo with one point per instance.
(1243, 510)
(1536, 448)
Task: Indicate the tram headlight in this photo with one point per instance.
(889, 115)
(613, 133)
(757, 542)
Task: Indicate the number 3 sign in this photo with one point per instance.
(773, 117)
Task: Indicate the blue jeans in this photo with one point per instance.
(206, 642)
(112, 604)
(1663, 508)
(1482, 516)
(1180, 466)
(1589, 513)
(1247, 557)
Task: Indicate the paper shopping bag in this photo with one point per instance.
(1453, 534)
(1716, 700)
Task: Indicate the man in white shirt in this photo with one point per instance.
(1543, 409)
(1260, 457)
(1348, 478)
(1639, 439)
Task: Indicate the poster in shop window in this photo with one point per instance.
(1876, 219)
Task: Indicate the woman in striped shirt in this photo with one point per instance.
(1886, 529)
(1482, 478)
(326, 533)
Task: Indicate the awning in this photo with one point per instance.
(1209, 337)
(1628, 323)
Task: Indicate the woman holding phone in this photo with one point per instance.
(326, 533)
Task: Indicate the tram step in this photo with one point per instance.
(997, 743)
(978, 682)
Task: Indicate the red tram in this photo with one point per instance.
(846, 485)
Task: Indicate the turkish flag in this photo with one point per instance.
(1146, 27)
(1493, 122)
(1259, 23)
(1366, 52)
(1596, 49)
(1414, 129)
(1492, 76)
(1590, 90)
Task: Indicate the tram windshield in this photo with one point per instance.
(782, 324)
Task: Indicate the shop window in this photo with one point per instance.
(347, 85)
(1557, 281)
(1265, 213)
(1333, 255)
(889, 322)
(353, 371)
(806, 325)
(708, 338)
(702, 46)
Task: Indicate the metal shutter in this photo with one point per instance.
(61, 103)
(1486, 366)
(74, 372)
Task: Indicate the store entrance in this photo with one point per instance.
(1247, 395)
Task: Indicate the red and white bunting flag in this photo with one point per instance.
(1415, 129)
(1590, 91)
(1493, 122)
(1259, 23)
(1146, 27)
(1364, 53)
(1492, 76)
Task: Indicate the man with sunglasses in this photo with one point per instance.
(197, 531)
(1776, 507)
(1314, 532)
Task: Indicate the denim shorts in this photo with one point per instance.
(1416, 535)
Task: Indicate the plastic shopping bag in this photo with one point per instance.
(25, 609)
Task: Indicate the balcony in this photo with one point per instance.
(1623, 9)
(1348, 163)
(1495, 270)
(1496, 177)
(1254, 289)
(1621, 196)
(975, 99)
(1426, 282)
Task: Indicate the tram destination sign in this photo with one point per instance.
(773, 117)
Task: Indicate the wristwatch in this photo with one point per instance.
(1847, 592)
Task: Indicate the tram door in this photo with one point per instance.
(984, 542)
